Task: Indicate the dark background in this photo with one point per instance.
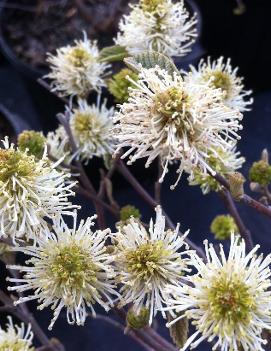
(246, 39)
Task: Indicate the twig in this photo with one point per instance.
(7, 308)
(149, 200)
(121, 327)
(148, 338)
(267, 193)
(265, 210)
(243, 231)
(93, 197)
(146, 333)
(121, 167)
(246, 199)
(64, 120)
(163, 341)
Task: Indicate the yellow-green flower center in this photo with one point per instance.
(145, 261)
(230, 301)
(73, 268)
(16, 163)
(220, 80)
(82, 122)
(87, 127)
(79, 57)
(17, 345)
(173, 107)
(151, 5)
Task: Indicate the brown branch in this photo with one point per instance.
(93, 197)
(121, 167)
(246, 199)
(131, 333)
(153, 342)
(83, 178)
(163, 341)
(147, 335)
(243, 231)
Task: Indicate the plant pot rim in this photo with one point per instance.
(10, 54)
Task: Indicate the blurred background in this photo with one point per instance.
(29, 29)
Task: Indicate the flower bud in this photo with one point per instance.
(33, 141)
(222, 226)
(138, 321)
(260, 173)
(236, 181)
(129, 211)
(119, 84)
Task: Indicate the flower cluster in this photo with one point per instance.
(160, 25)
(177, 120)
(221, 75)
(16, 338)
(91, 129)
(68, 268)
(227, 299)
(31, 190)
(146, 261)
(90, 126)
(76, 70)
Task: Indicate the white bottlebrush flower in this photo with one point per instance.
(175, 120)
(16, 338)
(76, 70)
(220, 74)
(148, 260)
(69, 268)
(91, 126)
(30, 191)
(58, 145)
(160, 25)
(228, 299)
(223, 162)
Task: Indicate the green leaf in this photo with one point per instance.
(113, 53)
(150, 59)
(178, 331)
